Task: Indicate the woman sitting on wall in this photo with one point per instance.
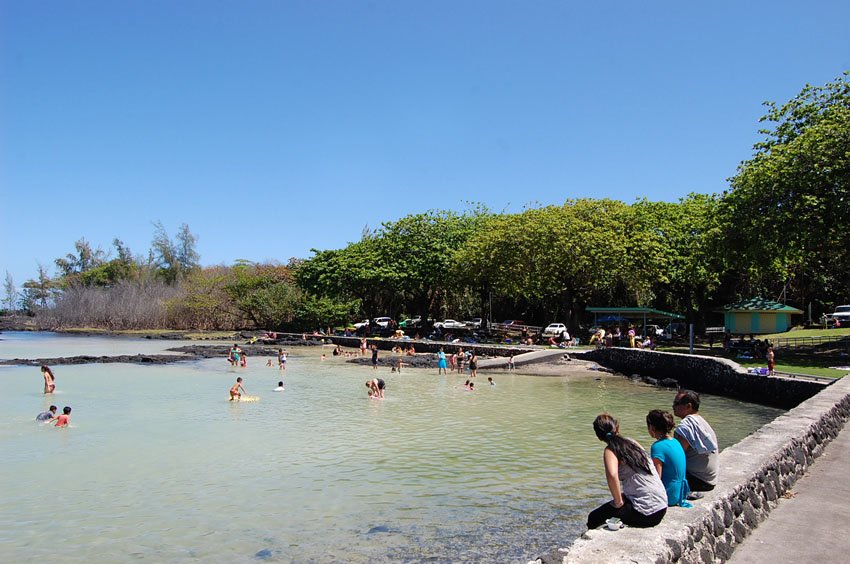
(638, 496)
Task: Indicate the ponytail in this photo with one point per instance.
(626, 450)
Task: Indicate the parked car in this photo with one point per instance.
(411, 323)
(361, 324)
(450, 324)
(474, 323)
(383, 321)
(842, 315)
(513, 322)
(554, 329)
(654, 331)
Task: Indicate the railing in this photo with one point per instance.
(512, 328)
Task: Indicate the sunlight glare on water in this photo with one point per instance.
(158, 465)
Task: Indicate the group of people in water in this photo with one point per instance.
(681, 464)
(50, 416)
(455, 362)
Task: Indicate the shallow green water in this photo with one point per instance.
(159, 466)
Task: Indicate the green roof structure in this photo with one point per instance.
(760, 304)
(635, 312)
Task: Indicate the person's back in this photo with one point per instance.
(645, 491)
(47, 415)
(65, 419)
(673, 474)
(698, 441)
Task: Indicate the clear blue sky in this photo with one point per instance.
(274, 127)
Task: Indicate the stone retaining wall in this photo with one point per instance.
(706, 374)
(753, 475)
(431, 346)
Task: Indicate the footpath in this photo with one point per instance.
(810, 525)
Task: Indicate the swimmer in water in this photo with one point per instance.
(234, 391)
(490, 379)
(49, 380)
(64, 419)
(280, 387)
(376, 388)
(47, 416)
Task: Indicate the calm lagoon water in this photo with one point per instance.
(159, 466)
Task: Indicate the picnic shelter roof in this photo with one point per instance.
(635, 312)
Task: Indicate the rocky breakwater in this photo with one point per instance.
(185, 353)
(754, 475)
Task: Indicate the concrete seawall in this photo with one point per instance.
(706, 374)
(754, 474)
(422, 346)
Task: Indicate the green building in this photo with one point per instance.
(758, 316)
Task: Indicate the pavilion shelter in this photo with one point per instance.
(758, 316)
(638, 315)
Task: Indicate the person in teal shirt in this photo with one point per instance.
(668, 456)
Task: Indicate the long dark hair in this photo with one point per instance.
(47, 369)
(626, 450)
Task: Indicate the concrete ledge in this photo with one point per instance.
(754, 474)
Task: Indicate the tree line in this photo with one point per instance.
(779, 231)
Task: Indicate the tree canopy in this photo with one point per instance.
(779, 230)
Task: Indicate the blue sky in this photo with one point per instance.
(274, 127)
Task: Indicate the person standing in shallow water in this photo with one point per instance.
(49, 380)
(441, 362)
(638, 496)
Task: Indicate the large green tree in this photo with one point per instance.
(692, 258)
(559, 259)
(786, 213)
(405, 266)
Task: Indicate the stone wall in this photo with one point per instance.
(754, 474)
(431, 346)
(706, 374)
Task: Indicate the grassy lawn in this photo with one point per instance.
(794, 333)
(809, 365)
(793, 367)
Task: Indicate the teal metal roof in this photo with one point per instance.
(636, 312)
(760, 304)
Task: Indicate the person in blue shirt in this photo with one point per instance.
(668, 456)
(48, 415)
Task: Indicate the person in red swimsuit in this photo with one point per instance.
(64, 419)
